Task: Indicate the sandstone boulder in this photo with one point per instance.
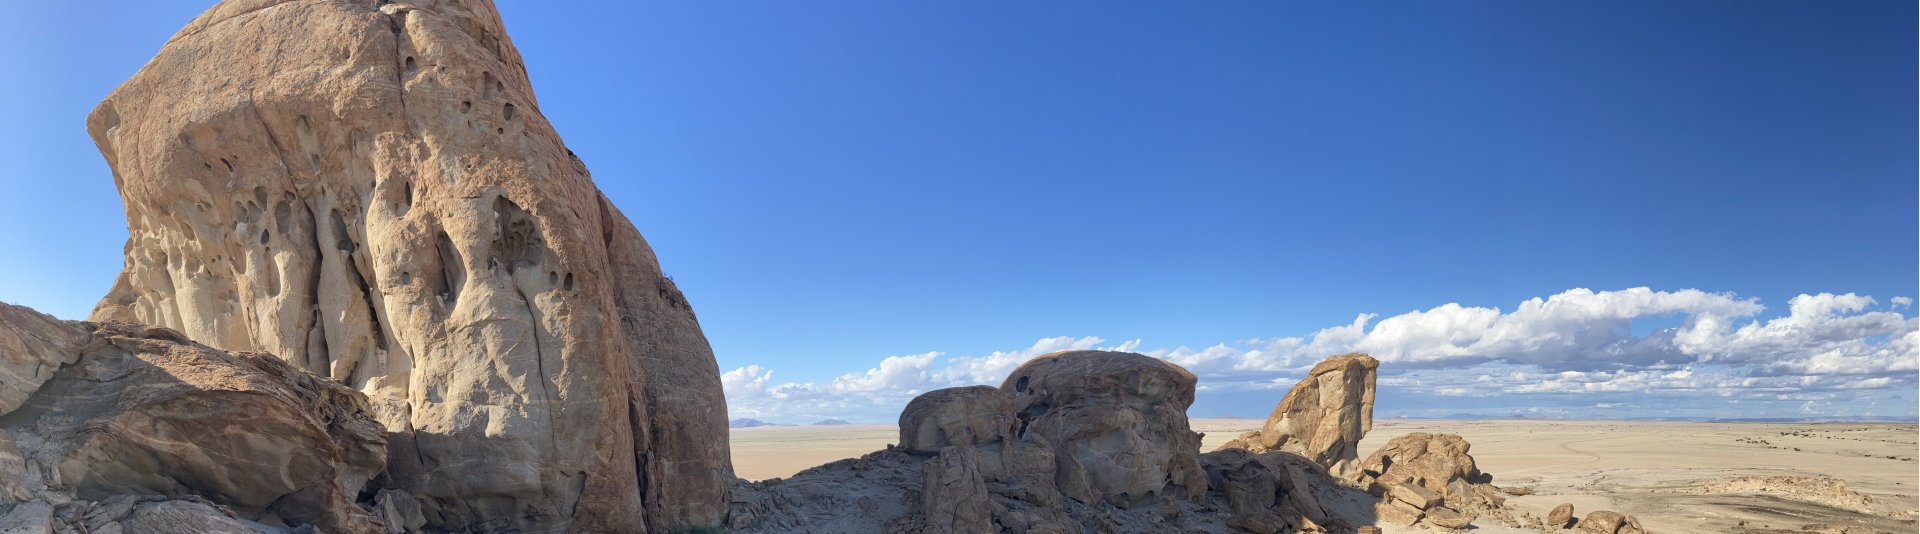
(370, 191)
(963, 416)
(1561, 517)
(32, 346)
(1116, 420)
(142, 411)
(1449, 518)
(1397, 512)
(1437, 464)
(1323, 417)
(1415, 495)
(1601, 522)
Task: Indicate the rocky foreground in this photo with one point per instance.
(368, 289)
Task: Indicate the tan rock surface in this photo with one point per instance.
(1117, 419)
(144, 412)
(1436, 465)
(954, 497)
(965, 416)
(1601, 522)
(369, 190)
(33, 346)
(1324, 416)
(1561, 517)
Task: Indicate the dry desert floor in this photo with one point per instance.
(1676, 476)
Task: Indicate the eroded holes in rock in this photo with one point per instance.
(568, 283)
(517, 241)
(229, 164)
(507, 111)
(406, 198)
(453, 272)
(209, 166)
(501, 131)
(263, 236)
(283, 216)
(344, 242)
(553, 279)
(410, 66)
(1020, 385)
(406, 278)
(466, 106)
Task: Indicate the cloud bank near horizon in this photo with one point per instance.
(1573, 354)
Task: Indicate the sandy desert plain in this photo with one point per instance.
(1675, 476)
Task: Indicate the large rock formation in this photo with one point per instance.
(1117, 422)
(1101, 444)
(142, 411)
(1323, 417)
(368, 190)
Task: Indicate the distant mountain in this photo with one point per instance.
(832, 422)
(747, 423)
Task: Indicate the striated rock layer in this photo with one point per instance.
(1323, 417)
(140, 411)
(368, 190)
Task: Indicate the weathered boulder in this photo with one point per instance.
(1601, 522)
(1268, 492)
(1323, 417)
(142, 411)
(1444, 517)
(1415, 495)
(369, 191)
(1437, 464)
(1117, 422)
(1397, 512)
(953, 494)
(32, 346)
(1561, 517)
(964, 416)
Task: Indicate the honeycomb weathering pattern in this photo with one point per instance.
(369, 190)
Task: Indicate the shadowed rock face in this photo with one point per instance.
(368, 190)
(1323, 417)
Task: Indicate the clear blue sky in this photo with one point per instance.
(833, 183)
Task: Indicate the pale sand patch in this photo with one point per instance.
(1647, 469)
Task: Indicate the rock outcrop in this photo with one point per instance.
(1323, 417)
(1117, 422)
(1100, 443)
(141, 411)
(962, 416)
(369, 191)
(1431, 478)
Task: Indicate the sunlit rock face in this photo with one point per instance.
(368, 190)
(1117, 422)
(1323, 417)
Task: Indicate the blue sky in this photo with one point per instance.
(864, 200)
